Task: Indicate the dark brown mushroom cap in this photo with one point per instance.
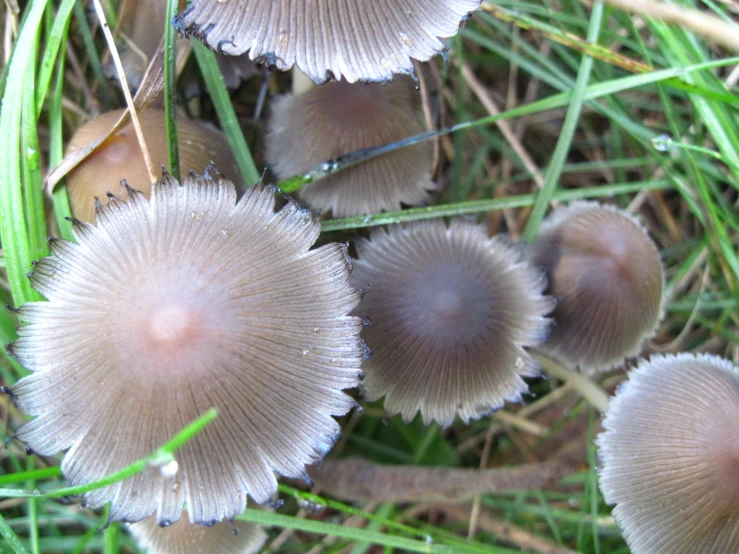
(238, 537)
(607, 274)
(359, 40)
(670, 456)
(451, 313)
(337, 118)
(172, 306)
(120, 157)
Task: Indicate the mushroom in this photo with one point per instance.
(143, 23)
(119, 157)
(607, 274)
(451, 311)
(338, 118)
(670, 456)
(238, 537)
(359, 40)
(169, 307)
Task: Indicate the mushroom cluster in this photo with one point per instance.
(169, 307)
(183, 298)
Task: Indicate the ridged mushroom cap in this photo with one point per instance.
(338, 118)
(451, 311)
(607, 275)
(169, 307)
(670, 456)
(359, 40)
(120, 157)
(238, 537)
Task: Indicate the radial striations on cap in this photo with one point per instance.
(238, 537)
(338, 118)
(607, 275)
(167, 308)
(359, 40)
(451, 312)
(670, 456)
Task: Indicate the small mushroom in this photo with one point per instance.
(607, 274)
(238, 537)
(120, 157)
(359, 40)
(451, 312)
(169, 307)
(338, 118)
(670, 456)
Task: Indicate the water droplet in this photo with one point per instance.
(282, 39)
(405, 40)
(384, 62)
(520, 363)
(316, 330)
(175, 487)
(169, 470)
(225, 233)
(662, 143)
(307, 351)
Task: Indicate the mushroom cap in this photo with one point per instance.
(237, 537)
(167, 308)
(607, 274)
(359, 40)
(120, 157)
(670, 456)
(451, 311)
(338, 118)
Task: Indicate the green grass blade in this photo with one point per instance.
(226, 115)
(554, 171)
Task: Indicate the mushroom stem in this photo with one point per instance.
(582, 384)
(301, 82)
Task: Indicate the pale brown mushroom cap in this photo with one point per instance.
(120, 157)
(670, 456)
(359, 40)
(607, 275)
(169, 307)
(338, 118)
(183, 537)
(451, 311)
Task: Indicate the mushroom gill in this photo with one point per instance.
(359, 40)
(338, 118)
(607, 275)
(670, 456)
(238, 537)
(451, 311)
(119, 157)
(169, 307)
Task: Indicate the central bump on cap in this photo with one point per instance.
(171, 324)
